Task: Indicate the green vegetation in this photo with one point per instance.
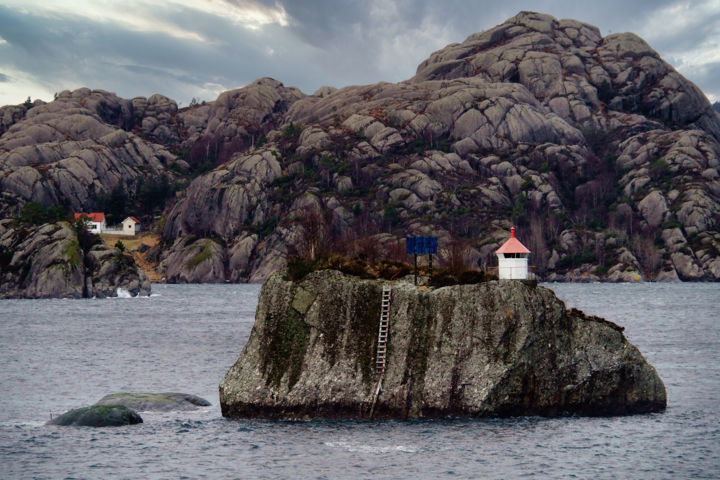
(292, 131)
(288, 336)
(152, 195)
(267, 227)
(605, 92)
(6, 256)
(148, 197)
(446, 277)
(34, 213)
(570, 261)
(659, 170)
(297, 269)
(391, 215)
(85, 239)
(72, 254)
(203, 255)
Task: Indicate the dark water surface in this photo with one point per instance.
(61, 354)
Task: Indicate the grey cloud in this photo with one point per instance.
(327, 42)
(706, 77)
(4, 78)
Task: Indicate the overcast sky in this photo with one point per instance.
(192, 48)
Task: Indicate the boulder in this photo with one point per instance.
(192, 260)
(98, 416)
(485, 350)
(162, 402)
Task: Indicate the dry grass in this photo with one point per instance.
(131, 245)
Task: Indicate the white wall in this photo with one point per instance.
(512, 268)
(96, 227)
(130, 227)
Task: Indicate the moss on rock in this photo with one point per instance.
(98, 416)
(491, 349)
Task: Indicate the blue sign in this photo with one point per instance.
(421, 245)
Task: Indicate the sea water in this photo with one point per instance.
(56, 355)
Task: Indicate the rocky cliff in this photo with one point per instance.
(51, 261)
(603, 156)
(79, 148)
(491, 349)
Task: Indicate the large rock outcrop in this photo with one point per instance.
(593, 146)
(491, 349)
(50, 261)
(76, 149)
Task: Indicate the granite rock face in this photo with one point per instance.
(48, 261)
(598, 151)
(491, 349)
(594, 147)
(75, 149)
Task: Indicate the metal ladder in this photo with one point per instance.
(381, 354)
(383, 330)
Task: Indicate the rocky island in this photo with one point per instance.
(497, 348)
(55, 260)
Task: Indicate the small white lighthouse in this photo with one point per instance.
(513, 259)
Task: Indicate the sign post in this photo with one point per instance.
(421, 246)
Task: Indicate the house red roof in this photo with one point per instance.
(133, 219)
(97, 217)
(513, 245)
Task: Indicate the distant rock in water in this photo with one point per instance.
(98, 416)
(48, 261)
(163, 402)
(491, 349)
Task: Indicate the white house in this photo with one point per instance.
(130, 226)
(96, 221)
(513, 259)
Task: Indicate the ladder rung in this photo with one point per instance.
(383, 328)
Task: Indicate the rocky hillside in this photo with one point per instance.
(54, 261)
(599, 152)
(491, 349)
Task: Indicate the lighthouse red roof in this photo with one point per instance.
(513, 245)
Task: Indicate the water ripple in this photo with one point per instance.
(62, 354)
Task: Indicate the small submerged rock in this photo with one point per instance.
(160, 402)
(98, 416)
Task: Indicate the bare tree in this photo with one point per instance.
(456, 255)
(316, 239)
(643, 246)
(537, 243)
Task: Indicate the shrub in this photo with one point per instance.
(445, 277)
(297, 269)
(34, 213)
